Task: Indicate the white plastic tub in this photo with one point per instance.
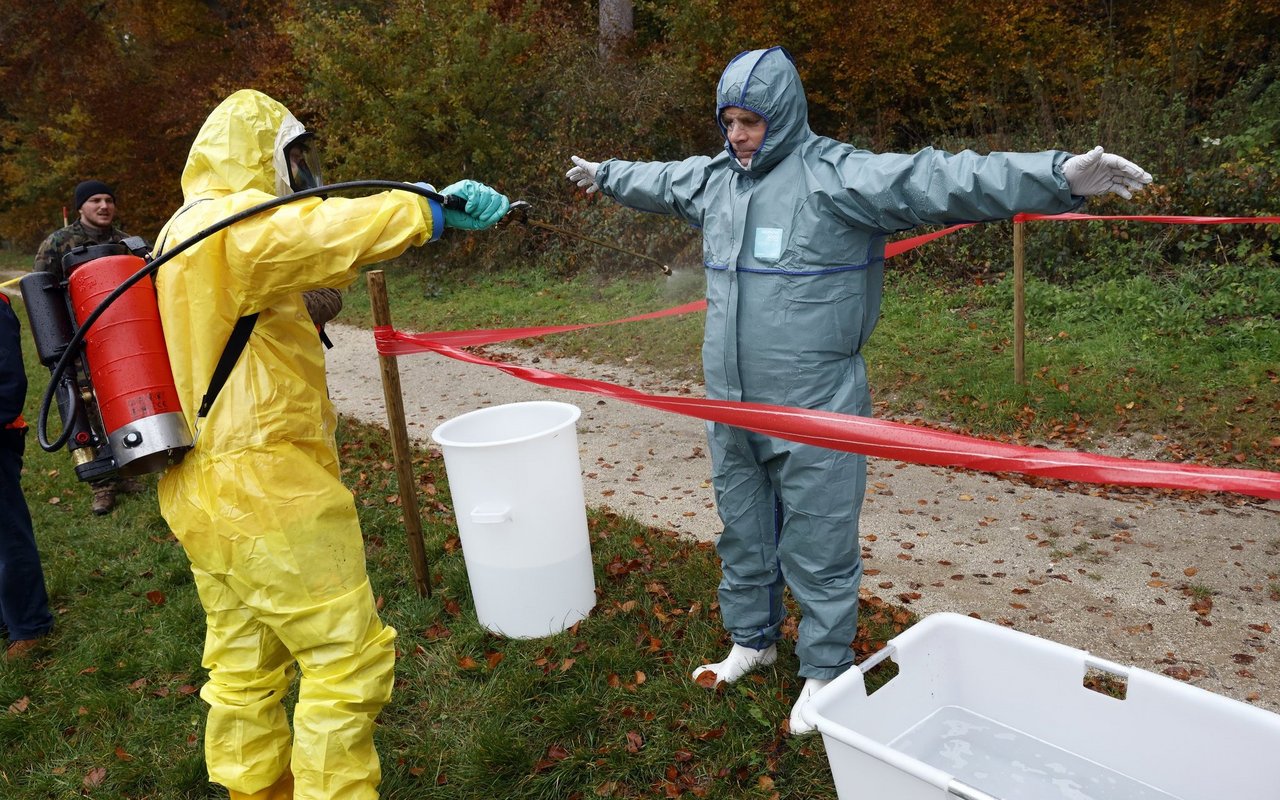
(980, 711)
(516, 484)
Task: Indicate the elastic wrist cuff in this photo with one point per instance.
(437, 219)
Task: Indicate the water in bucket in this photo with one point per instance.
(517, 492)
(1011, 765)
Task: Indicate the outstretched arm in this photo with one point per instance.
(660, 187)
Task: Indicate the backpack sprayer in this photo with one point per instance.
(120, 410)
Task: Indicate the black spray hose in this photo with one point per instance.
(448, 201)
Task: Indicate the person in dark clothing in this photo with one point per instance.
(24, 602)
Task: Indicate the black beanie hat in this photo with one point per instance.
(87, 189)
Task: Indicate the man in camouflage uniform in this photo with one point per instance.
(95, 203)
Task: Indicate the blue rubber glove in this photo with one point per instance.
(485, 206)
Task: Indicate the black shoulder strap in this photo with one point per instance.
(230, 354)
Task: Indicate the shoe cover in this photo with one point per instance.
(798, 725)
(739, 662)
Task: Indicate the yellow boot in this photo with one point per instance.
(282, 789)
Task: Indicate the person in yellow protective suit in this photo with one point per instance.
(270, 530)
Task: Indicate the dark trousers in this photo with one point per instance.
(24, 603)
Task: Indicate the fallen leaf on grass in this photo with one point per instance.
(94, 777)
(437, 631)
(555, 754)
(709, 735)
(635, 742)
(20, 705)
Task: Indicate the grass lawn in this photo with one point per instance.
(110, 707)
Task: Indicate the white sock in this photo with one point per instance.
(811, 685)
(739, 662)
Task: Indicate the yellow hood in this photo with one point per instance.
(235, 148)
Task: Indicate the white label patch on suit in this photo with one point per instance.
(768, 244)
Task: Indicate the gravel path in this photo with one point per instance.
(1188, 588)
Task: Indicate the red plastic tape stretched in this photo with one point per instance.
(481, 336)
(873, 437)
(1136, 218)
(880, 438)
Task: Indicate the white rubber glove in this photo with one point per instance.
(1098, 172)
(583, 173)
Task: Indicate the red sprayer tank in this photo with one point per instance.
(129, 366)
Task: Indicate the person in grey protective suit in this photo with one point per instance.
(793, 230)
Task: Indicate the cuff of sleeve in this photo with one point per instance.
(602, 175)
(1060, 158)
(437, 219)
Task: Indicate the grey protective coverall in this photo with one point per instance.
(793, 247)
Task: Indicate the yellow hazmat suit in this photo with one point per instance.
(271, 532)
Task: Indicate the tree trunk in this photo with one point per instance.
(616, 24)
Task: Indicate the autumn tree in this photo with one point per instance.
(116, 91)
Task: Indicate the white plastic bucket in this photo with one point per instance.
(517, 492)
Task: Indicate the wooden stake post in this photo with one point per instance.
(1019, 308)
(394, 398)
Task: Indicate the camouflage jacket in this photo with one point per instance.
(62, 241)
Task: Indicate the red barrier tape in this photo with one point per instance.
(903, 245)
(1169, 220)
(879, 438)
(494, 335)
(872, 437)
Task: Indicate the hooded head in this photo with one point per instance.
(765, 82)
(242, 146)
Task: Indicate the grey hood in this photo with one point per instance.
(766, 82)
